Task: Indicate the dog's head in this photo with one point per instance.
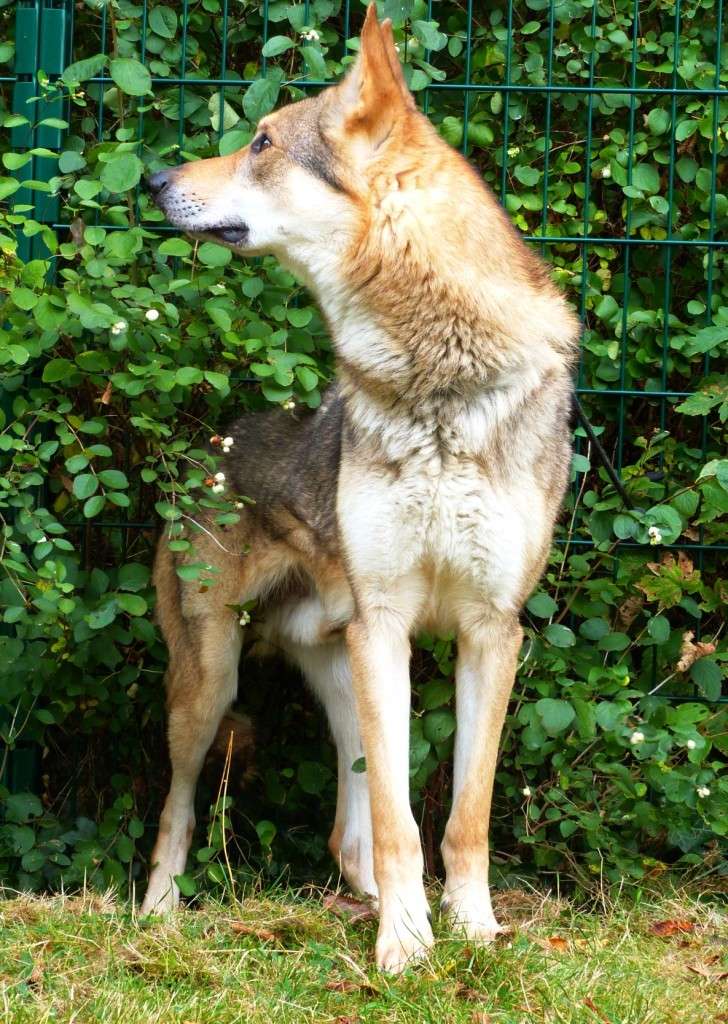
(305, 179)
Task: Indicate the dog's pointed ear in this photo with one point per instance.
(394, 64)
(373, 96)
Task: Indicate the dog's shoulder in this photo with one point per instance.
(288, 465)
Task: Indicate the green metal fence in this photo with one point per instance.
(537, 64)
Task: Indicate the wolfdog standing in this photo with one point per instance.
(421, 495)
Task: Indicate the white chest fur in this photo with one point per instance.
(437, 497)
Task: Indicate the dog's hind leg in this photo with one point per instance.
(486, 667)
(328, 672)
(204, 646)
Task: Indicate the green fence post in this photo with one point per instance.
(43, 36)
(42, 43)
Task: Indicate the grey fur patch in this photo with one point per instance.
(291, 464)
(315, 155)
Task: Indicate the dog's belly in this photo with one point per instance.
(469, 539)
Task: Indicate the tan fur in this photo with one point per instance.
(423, 495)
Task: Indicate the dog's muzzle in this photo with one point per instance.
(159, 186)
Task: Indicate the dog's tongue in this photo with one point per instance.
(232, 235)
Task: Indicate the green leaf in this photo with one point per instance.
(685, 129)
(704, 341)
(93, 506)
(218, 380)
(70, 161)
(93, 315)
(230, 116)
(113, 478)
(435, 693)
(232, 141)
(175, 247)
(527, 175)
(133, 576)
(266, 832)
(22, 838)
(124, 848)
(57, 369)
(219, 316)
(131, 76)
(7, 187)
(429, 35)
(613, 642)
(277, 45)
(559, 636)
(102, 616)
(21, 807)
(86, 188)
(686, 168)
(163, 21)
(658, 121)
(186, 884)
(438, 725)
(667, 520)
(313, 777)
(299, 317)
(659, 629)
(646, 177)
(132, 604)
(260, 98)
(187, 375)
(594, 629)
(85, 485)
(76, 463)
(542, 606)
(122, 172)
(451, 130)
(94, 235)
(214, 255)
(707, 676)
(82, 70)
(33, 861)
(307, 378)
(580, 463)
(555, 715)
(480, 135)
(315, 62)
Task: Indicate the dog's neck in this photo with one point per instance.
(448, 326)
(401, 335)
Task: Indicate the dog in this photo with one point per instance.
(422, 494)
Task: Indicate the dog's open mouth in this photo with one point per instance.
(231, 235)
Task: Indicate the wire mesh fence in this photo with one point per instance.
(602, 128)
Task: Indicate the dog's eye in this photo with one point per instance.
(260, 143)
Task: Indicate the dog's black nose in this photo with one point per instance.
(156, 183)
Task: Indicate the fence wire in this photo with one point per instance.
(602, 103)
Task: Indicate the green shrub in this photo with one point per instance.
(123, 347)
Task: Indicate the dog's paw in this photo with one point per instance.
(405, 935)
(162, 896)
(471, 916)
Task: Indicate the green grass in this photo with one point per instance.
(283, 957)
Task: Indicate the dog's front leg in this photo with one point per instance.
(486, 667)
(379, 650)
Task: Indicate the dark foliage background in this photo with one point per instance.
(124, 347)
